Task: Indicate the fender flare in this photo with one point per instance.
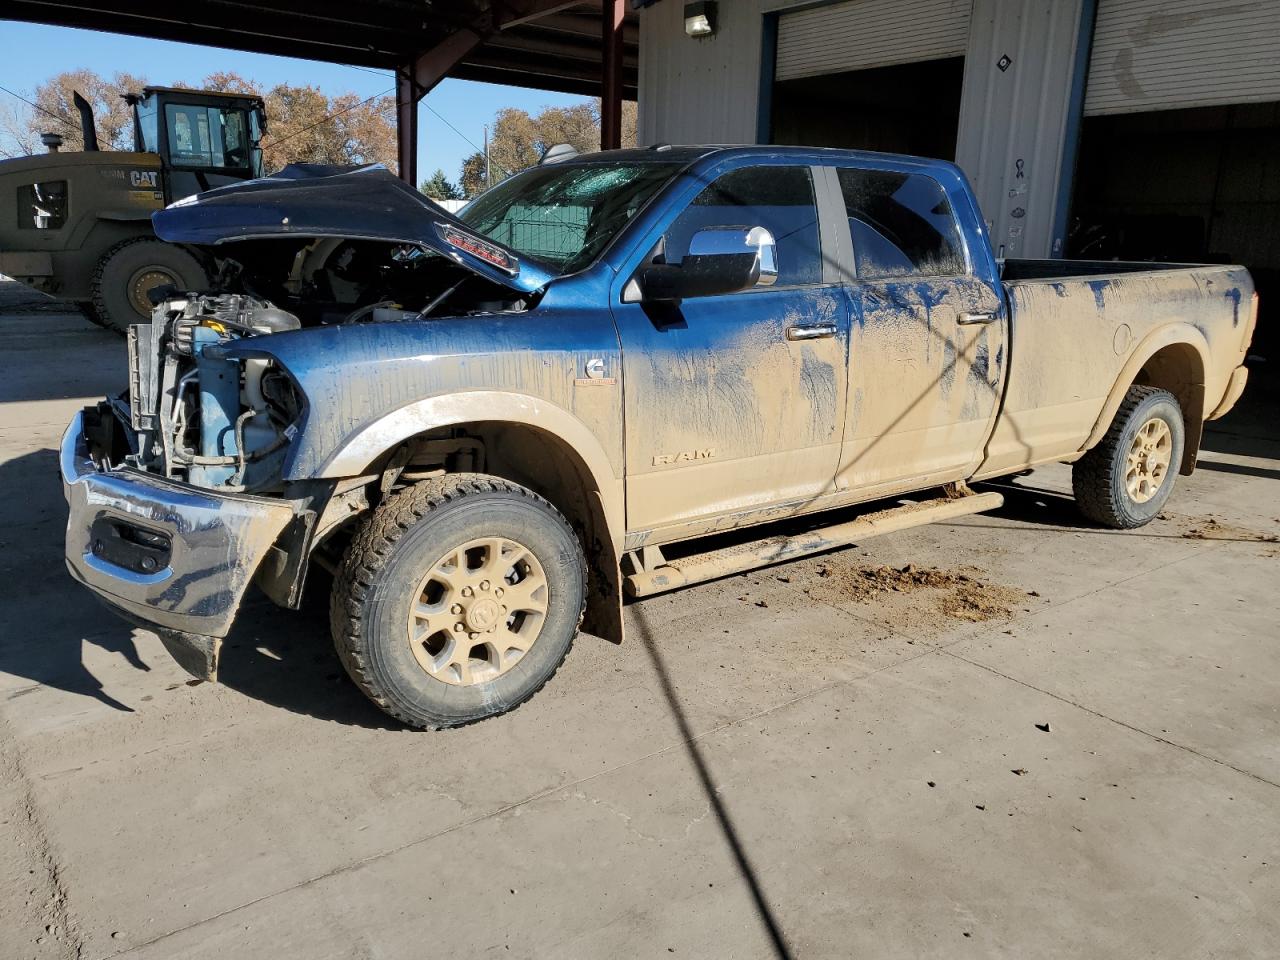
(1165, 336)
(374, 439)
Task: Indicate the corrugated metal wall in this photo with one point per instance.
(1165, 54)
(861, 34)
(704, 90)
(1013, 121)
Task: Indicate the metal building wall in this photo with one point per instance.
(707, 90)
(1018, 124)
(1020, 120)
(863, 34)
(1167, 54)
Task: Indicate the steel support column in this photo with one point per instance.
(611, 74)
(415, 80)
(407, 96)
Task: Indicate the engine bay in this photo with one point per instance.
(331, 280)
(198, 414)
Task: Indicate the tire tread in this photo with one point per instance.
(1093, 476)
(370, 549)
(104, 318)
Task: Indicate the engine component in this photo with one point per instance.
(202, 416)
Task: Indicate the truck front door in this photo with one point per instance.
(927, 352)
(735, 404)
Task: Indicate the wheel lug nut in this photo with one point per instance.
(498, 592)
(458, 628)
(456, 608)
(467, 591)
(484, 584)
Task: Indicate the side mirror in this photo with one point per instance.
(720, 260)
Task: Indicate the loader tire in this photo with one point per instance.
(126, 273)
(90, 312)
(1125, 480)
(458, 599)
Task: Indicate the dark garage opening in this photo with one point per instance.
(1199, 185)
(908, 108)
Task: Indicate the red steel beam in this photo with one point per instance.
(407, 98)
(611, 74)
(420, 77)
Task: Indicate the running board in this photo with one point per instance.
(759, 553)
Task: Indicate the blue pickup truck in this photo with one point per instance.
(490, 426)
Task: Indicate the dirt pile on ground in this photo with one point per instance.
(1209, 528)
(954, 594)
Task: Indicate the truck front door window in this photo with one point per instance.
(901, 225)
(780, 199)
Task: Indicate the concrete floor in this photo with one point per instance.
(771, 766)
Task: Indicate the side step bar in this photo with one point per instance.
(760, 553)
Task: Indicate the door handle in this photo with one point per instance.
(816, 331)
(968, 319)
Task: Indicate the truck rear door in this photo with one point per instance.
(735, 403)
(928, 344)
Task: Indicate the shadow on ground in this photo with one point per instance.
(280, 657)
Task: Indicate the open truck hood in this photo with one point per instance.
(359, 203)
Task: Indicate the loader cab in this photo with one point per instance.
(204, 140)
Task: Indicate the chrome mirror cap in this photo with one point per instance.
(734, 241)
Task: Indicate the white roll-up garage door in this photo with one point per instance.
(1166, 54)
(860, 34)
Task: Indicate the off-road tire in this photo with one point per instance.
(1098, 478)
(115, 272)
(392, 550)
(90, 312)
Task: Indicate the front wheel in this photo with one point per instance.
(1126, 479)
(458, 599)
(129, 271)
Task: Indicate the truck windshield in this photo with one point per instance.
(565, 215)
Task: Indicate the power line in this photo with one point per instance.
(37, 106)
(440, 117)
(501, 169)
(332, 116)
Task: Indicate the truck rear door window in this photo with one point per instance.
(780, 199)
(902, 225)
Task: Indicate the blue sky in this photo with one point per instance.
(32, 53)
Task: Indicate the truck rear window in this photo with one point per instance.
(902, 225)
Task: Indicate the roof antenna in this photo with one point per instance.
(561, 151)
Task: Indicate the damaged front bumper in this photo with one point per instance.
(168, 556)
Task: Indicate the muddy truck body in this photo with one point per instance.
(608, 376)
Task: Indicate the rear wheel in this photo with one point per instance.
(458, 599)
(131, 270)
(1126, 479)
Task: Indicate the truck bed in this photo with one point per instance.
(1079, 328)
(1014, 269)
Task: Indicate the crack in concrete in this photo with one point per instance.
(927, 649)
(946, 649)
(1103, 716)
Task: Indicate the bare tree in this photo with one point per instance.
(520, 140)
